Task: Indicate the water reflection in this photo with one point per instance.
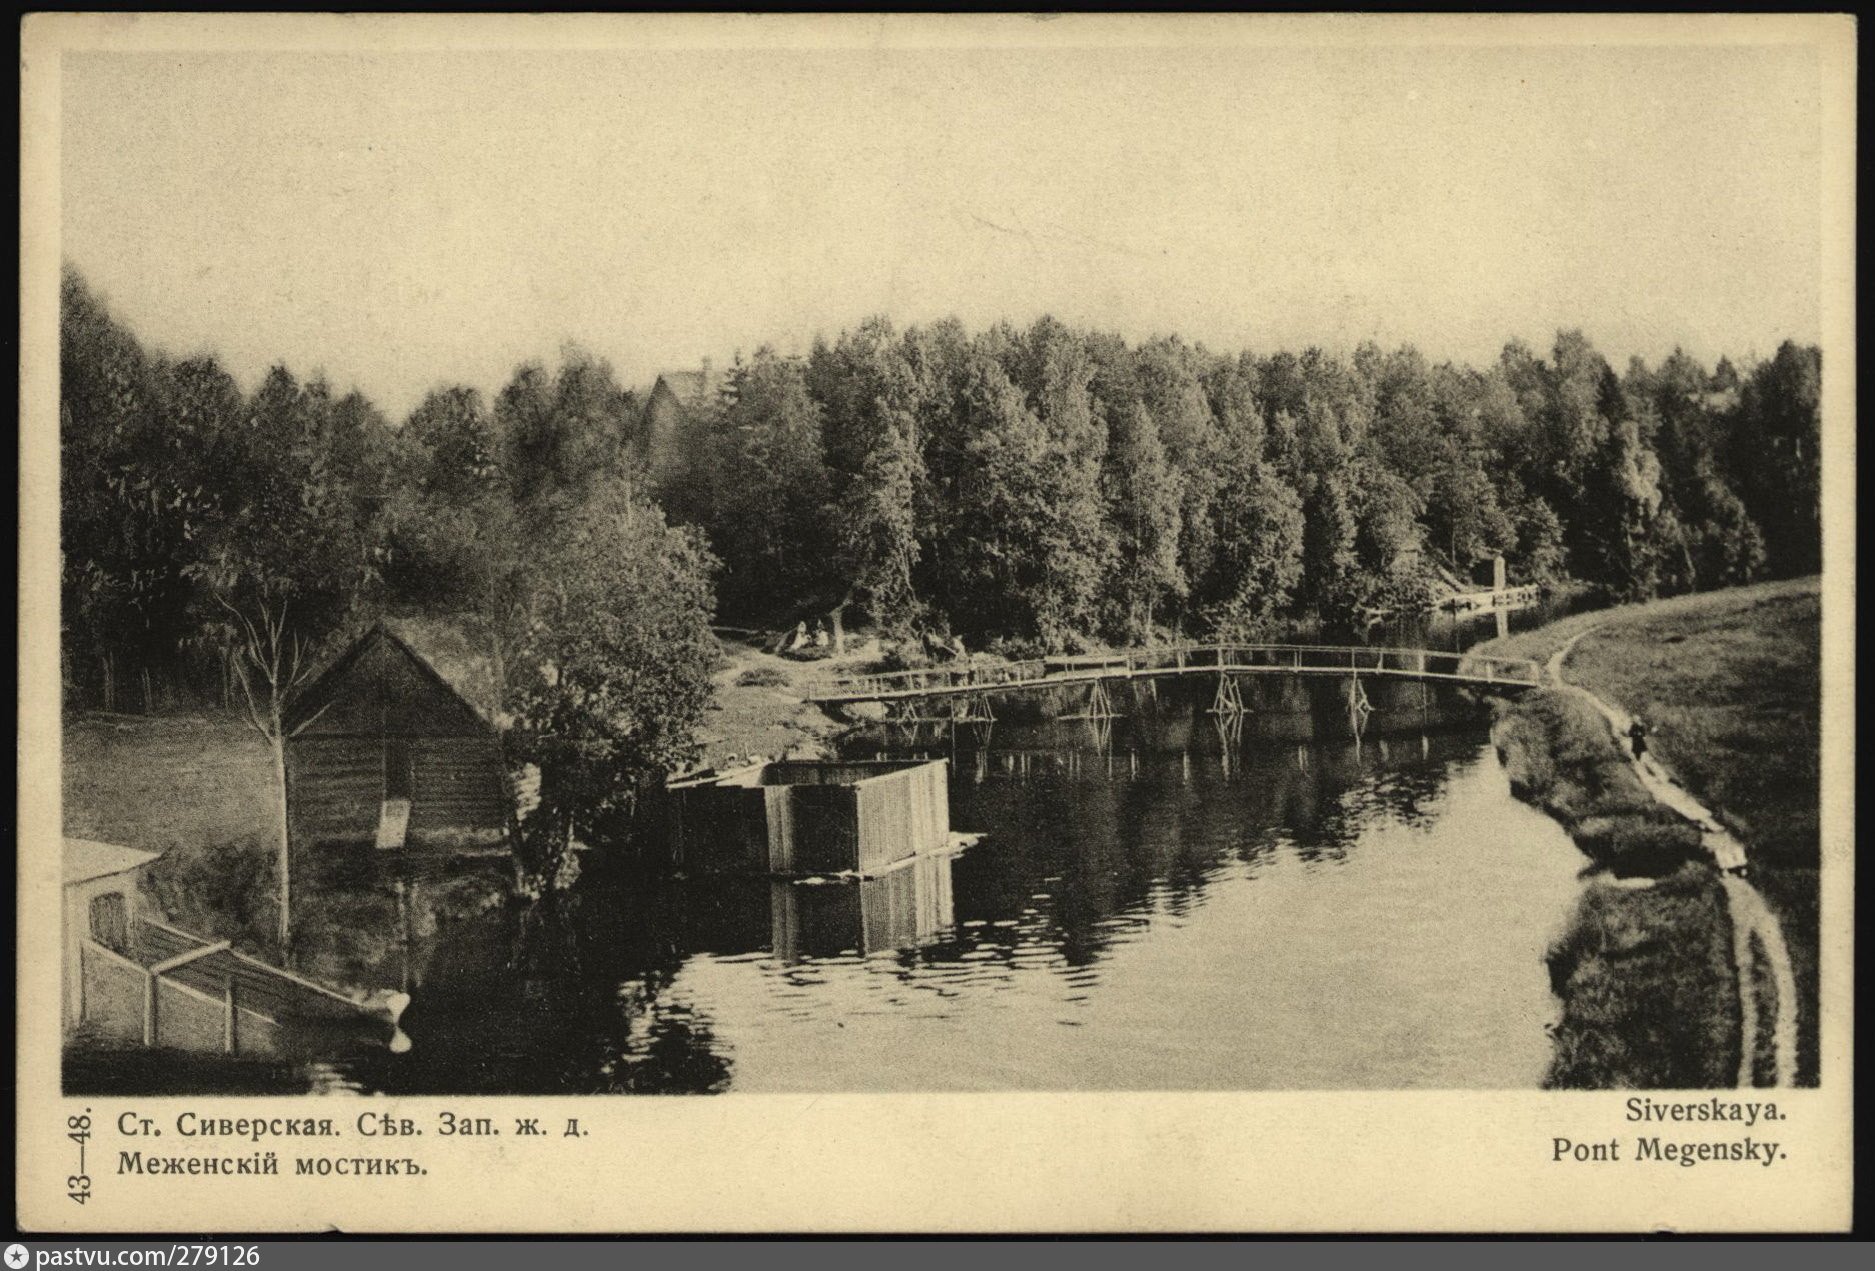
(1456, 632)
(1164, 920)
(1176, 900)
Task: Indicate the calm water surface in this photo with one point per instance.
(1158, 904)
(1321, 917)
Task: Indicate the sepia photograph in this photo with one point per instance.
(776, 557)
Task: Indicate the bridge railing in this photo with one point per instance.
(929, 679)
(1175, 658)
(1301, 657)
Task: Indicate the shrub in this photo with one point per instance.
(1022, 648)
(1639, 844)
(226, 890)
(762, 677)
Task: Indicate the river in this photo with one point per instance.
(1323, 917)
(1161, 901)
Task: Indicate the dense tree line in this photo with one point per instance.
(216, 545)
(1049, 487)
(1043, 487)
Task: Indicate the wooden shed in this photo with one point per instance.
(102, 907)
(386, 747)
(132, 979)
(808, 817)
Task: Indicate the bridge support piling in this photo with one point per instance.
(1099, 703)
(1229, 697)
(972, 708)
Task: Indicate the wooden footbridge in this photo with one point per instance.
(966, 687)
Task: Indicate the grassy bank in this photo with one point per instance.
(200, 790)
(1644, 970)
(760, 706)
(1559, 755)
(1729, 683)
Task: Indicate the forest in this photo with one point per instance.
(1029, 488)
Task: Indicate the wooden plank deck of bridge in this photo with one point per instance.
(1177, 660)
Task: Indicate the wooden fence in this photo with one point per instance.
(186, 993)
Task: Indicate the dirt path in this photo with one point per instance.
(760, 708)
(1753, 924)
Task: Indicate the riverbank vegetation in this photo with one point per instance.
(1051, 486)
(1044, 487)
(1644, 970)
(1557, 750)
(1646, 981)
(1037, 487)
(1730, 686)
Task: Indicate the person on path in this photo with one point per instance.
(1637, 737)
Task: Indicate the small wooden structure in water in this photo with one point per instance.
(386, 748)
(130, 979)
(1499, 598)
(800, 817)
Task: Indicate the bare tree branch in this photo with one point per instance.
(247, 697)
(310, 720)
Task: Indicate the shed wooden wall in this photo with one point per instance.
(76, 929)
(824, 822)
(720, 828)
(188, 1019)
(457, 783)
(382, 694)
(903, 814)
(336, 786)
(813, 819)
(113, 994)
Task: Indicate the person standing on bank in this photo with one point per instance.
(1637, 737)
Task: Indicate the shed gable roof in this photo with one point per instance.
(382, 684)
(87, 859)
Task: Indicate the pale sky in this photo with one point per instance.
(400, 220)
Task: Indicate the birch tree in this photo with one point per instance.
(271, 663)
(285, 564)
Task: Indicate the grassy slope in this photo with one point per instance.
(1730, 684)
(198, 788)
(1644, 971)
(760, 708)
(1648, 991)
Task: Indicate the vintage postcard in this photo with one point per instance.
(953, 624)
